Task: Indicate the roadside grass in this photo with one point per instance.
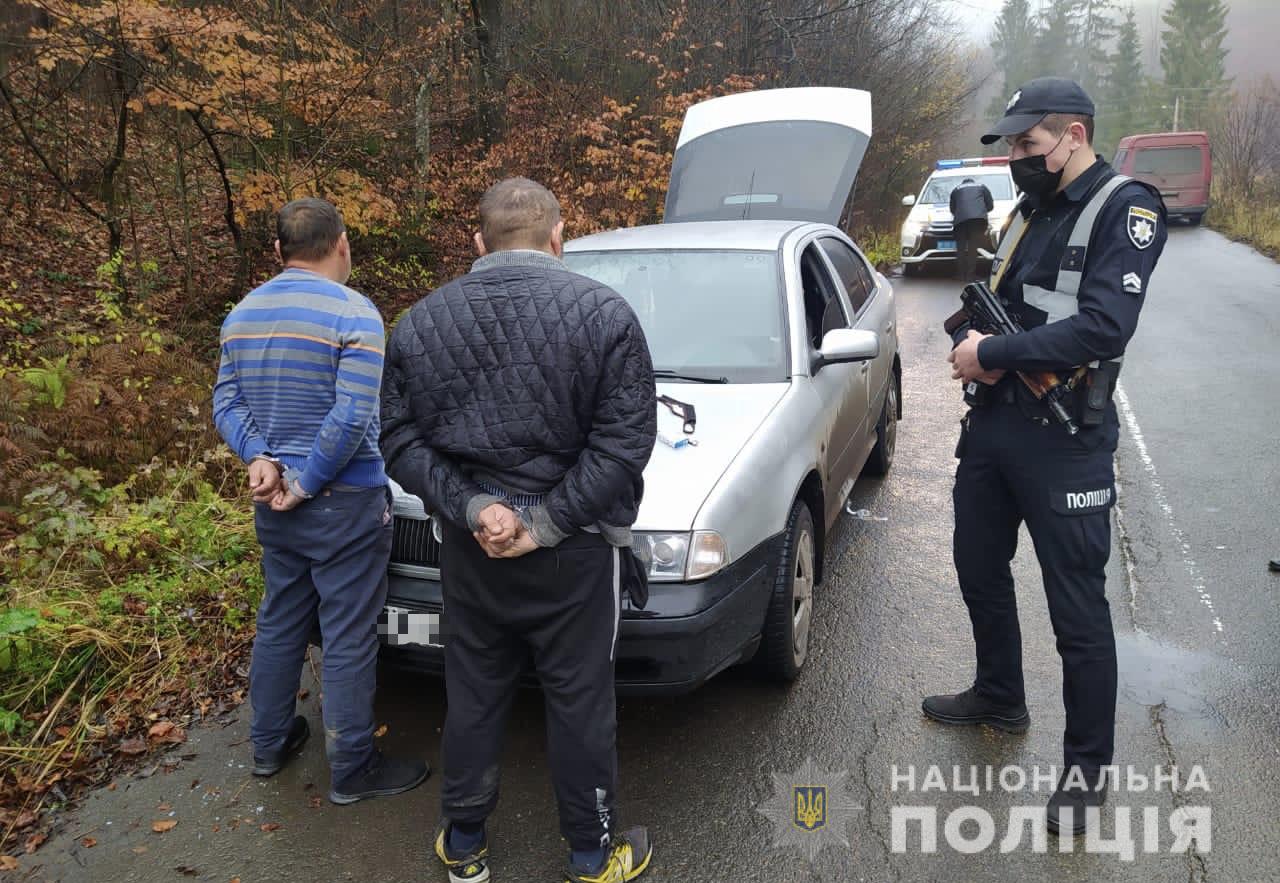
(881, 247)
(128, 614)
(1254, 221)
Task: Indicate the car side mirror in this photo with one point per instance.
(843, 345)
(909, 200)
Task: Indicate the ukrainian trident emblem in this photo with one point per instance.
(811, 807)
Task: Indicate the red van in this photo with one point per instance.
(1176, 162)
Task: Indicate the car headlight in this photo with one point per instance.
(674, 557)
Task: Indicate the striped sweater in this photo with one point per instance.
(299, 377)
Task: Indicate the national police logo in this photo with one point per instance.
(1141, 225)
(810, 809)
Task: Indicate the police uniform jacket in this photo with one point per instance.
(1117, 266)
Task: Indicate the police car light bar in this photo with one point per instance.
(973, 161)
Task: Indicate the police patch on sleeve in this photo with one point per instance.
(1141, 225)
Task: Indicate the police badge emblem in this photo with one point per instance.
(1141, 225)
(810, 809)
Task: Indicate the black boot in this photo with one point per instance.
(381, 777)
(270, 764)
(1085, 791)
(970, 708)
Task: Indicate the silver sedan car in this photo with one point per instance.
(775, 350)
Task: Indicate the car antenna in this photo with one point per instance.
(751, 189)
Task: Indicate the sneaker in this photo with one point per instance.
(382, 777)
(969, 708)
(470, 868)
(627, 859)
(1078, 800)
(270, 764)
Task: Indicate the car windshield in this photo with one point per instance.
(1167, 161)
(938, 190)
(704, 313)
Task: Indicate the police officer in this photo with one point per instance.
(1073, 266)
(971, 204)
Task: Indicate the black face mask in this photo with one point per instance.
(1032, 176)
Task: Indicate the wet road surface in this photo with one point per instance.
(1196, 614)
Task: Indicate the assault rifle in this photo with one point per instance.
(986, 313)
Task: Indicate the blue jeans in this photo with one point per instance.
(324, 563)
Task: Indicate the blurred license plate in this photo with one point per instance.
(398, 627)
(947, 244)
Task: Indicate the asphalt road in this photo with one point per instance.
(1198, 619)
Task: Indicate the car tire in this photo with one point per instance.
(881, 459)
(788, 622)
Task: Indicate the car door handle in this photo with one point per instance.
(864, 367)
(888, 327)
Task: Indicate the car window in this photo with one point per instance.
(824, 309)
(711, 313)
(734, 173)
(938, 190)
(851, 271)
(1167, 161)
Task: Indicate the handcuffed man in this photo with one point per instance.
(519, 404)
(297, 399)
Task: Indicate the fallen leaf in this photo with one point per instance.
(167, 733)
(133, 746)
(271, 826)
(164, 807)
(164, 825)
(315, 802)
(9, 863)
(25, 819)
(111, 787)
(35, 841)
(380, 732)
(235, 880)
(186, 870)
(88, 843)
(139, 850)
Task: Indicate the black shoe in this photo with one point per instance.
(970, 708)
(1274, 565)
(1086, 791)
(382, 777)
(269, 765)
(470, 868)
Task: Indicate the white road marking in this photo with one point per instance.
(1180, 539)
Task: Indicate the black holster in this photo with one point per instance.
(1099, 386)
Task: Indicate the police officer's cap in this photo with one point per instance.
(1036, 100)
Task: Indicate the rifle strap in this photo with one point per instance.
(1008, 245)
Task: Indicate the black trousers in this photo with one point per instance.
(969, 237)
(558, 607)
(1011, 470)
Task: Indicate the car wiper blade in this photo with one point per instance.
(665, 374)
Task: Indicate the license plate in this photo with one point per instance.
(398, 627)
(947, 244)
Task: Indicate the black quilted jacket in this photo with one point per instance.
(528, 379)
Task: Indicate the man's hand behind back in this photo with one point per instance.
(264, 480)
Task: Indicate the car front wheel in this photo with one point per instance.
(785, 645)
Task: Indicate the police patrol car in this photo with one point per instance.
(927, 233)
